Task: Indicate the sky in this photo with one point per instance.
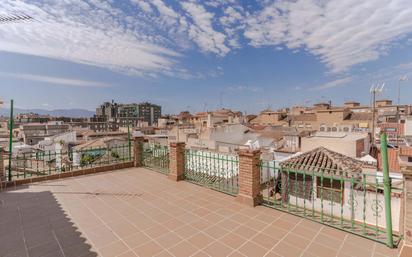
(200, 55)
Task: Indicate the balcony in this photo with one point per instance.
(139, 212)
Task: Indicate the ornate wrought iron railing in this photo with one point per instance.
(38, 163)
(353, 202)
(215, 170)
(156, 157)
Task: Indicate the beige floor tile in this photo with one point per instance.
(217, 249)
(113, 249)
(148, 249)
(183, 249)
(252, 249)
(200, 240)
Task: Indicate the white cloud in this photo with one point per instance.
(54, 80)
(340, 33)
(332, 84)
(202, 31)
(145, 6)
(241, 88)
(94, 33)
(148, 37)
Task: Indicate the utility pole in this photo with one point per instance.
(375, 89)
(403, 78)
(11, 125)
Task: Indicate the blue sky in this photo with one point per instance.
(201, 55)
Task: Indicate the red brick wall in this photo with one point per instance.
(2, 171)
(176, 161)
(249, 177)
(138, 151)
(68, 174)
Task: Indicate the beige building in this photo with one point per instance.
(269, 117)
(213, 118)
(354, 145)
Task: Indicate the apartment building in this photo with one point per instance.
(129, 114)
(270, 117)
(213, 118)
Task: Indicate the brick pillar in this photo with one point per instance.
(2, 170)
(249, 177)
(138, 151)
(177, 161)
(407, 207)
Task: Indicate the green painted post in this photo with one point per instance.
(11, 122)
(129, 141)
(387, 190)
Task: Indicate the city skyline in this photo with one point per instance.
(202, 55)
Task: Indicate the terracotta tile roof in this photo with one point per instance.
(406, 151)
(392, 128)
(324, 160)
(360, 116)
(393, 159)
(303, 117)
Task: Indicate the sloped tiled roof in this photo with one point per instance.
(360, 116)
(393, 160)
(324, 160)
(303, 117)
(405, 151)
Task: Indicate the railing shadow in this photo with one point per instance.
(33, 224)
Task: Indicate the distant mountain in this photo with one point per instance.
(74, 113)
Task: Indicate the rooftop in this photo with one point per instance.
(321, 158)
(138, 212)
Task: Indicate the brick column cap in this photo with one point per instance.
(248, 152)
(177, 144)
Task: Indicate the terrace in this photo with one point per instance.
(152, 200)
(139, 212)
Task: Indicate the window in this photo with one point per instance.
(300, 185)
(329, 189)
(409, 159)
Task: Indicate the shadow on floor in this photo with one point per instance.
(32, 224)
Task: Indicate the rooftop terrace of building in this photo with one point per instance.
(138, 212)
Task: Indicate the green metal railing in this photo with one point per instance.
(42, 163)
(215, 170)
(353, 202)
(156, 157)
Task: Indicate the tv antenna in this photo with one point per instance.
(401, 79)
(13, 18)
(375, 90)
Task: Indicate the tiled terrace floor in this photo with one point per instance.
(137, 212)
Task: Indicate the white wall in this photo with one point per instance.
(408, 126)
(215, 163)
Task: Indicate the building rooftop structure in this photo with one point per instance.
(322, 159)
(137, 212)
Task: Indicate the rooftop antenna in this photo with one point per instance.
(220, 99)
(374, 90)
(401, 79)
(13, 18)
